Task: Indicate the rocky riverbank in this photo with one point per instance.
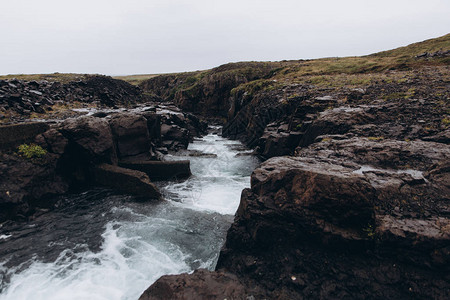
(353, 201)
(85, 151)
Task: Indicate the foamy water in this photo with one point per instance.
(141, 242)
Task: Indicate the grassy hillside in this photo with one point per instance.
(136, 79)
(301, 71)
(391, 65)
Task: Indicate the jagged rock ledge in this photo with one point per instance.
(358, 209)
(87, 150)
(322, 225)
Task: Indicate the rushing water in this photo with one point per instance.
(100, 245)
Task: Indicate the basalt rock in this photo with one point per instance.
(379, 152)
(161, 170)
(91, 138)
(348, 217)
(202, 284)
(131, 134)
(27, 97)
(73, 149)
(28, 183)
(174, 137)
(336, 121)
(207, 93)
(126, 180)
(12, 136)
(315, 228)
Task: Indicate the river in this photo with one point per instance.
(102, 245)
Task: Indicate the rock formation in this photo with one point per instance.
(353, 200)
(20, 99)
(87, 150)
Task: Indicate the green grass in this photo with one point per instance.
(31, 151)
(135, 79)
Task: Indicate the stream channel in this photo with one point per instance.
(102, 245)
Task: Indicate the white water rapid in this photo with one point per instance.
(114, 248)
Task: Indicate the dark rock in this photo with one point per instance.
(161, 170)
(27, 183)
(100, 114)
(126, 180)
(307, 223)
(54, 141)
(379, 152)
(274, 143)
(175, 136)
(441, 137)
(131, 134)
(91, 136)
(202, 284)
(207, 95)
(96, 89)
(153, 125)
(12, 136)
(336, 121)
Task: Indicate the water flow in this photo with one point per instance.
(110, 247)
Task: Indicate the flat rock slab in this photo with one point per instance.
(126, 180)
(161, 170)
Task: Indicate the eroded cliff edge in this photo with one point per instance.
(359, 206)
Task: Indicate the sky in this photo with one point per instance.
(118, 37)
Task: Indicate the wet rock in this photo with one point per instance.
(91, 136)
(126, 180)
(174, 136)
(316, 221)
(161, 170)
(153, 125)
(24, 182)
(130, 132)
(202, 284)
(100, 114)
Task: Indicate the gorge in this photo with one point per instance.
(351, 199)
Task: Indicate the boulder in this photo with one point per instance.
(336, 121)
(126, 180)
(153, 125)
(131, 134)
(322, 228)
(278, 141)
(90, 139)
(174, 137)
(27, 183)
(378, 151)
(53, 140)
(161, 170)
(202, 284)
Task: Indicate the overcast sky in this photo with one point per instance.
(157, 36)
